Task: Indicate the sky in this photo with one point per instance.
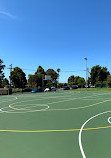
(55, 34)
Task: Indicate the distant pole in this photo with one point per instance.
(86, 73)
(10, 73)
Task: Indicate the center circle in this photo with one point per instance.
(30, 107)
(25, 108)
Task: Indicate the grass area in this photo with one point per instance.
(46, 125)
(15, 90)
(92, 89)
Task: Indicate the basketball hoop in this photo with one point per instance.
(47, 77)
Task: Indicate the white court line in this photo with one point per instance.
(71, 99)
(51, 102)
(25, 111)
(64, 97)
(30, 107)
(80, 133)
(57, 101)
(9, 100)
(109, 120)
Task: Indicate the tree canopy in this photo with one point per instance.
(98, 73)
(18, 78)
(58, 70)
(52, 73)
(35, 80)
(40, 70)
(81, 82)
(71, 79)
(5, 82)
(77, 80)
(109, 80)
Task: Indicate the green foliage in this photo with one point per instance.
(49, 85)
(109, 80)
(105, 82)
(101, 85)
(32, 81)
(81, 82)
(52, 73)
(1, 72)
(40, 70)
(71, 83)
(65, 84)
(60, 85)
(58, 70)
(15, 90)
(98, 73)
(71, 79)
(76, 80)
(98, 82)
(5, 82)
(18, 78)
(35, 80)
(89, 80)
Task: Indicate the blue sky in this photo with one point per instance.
(55, 34)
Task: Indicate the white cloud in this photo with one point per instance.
(8, 14)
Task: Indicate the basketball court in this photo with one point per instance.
(65, 124)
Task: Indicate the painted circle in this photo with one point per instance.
(25, 109)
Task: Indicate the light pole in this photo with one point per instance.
(86, 73)
(10, 74)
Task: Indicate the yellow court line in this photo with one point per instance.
(44, 131)
(10, 106)
(79, 107)
(67, 130)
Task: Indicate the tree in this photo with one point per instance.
(98, 73)
(71, 83)
(76, 80)
(58, 70)
(18, 78)
(104, 73)
(81, 82)
(40, 70)
(39, 75)
(49, 85)
(52, 73)
(5, 82)
(35, 80)
(39, 80)
(32, 81)
(109, 80)
(60, 85)
(65, 84)
(71, 79)
(1, 72)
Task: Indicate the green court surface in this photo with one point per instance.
(63, 124)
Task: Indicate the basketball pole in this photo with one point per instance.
(10, 73)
